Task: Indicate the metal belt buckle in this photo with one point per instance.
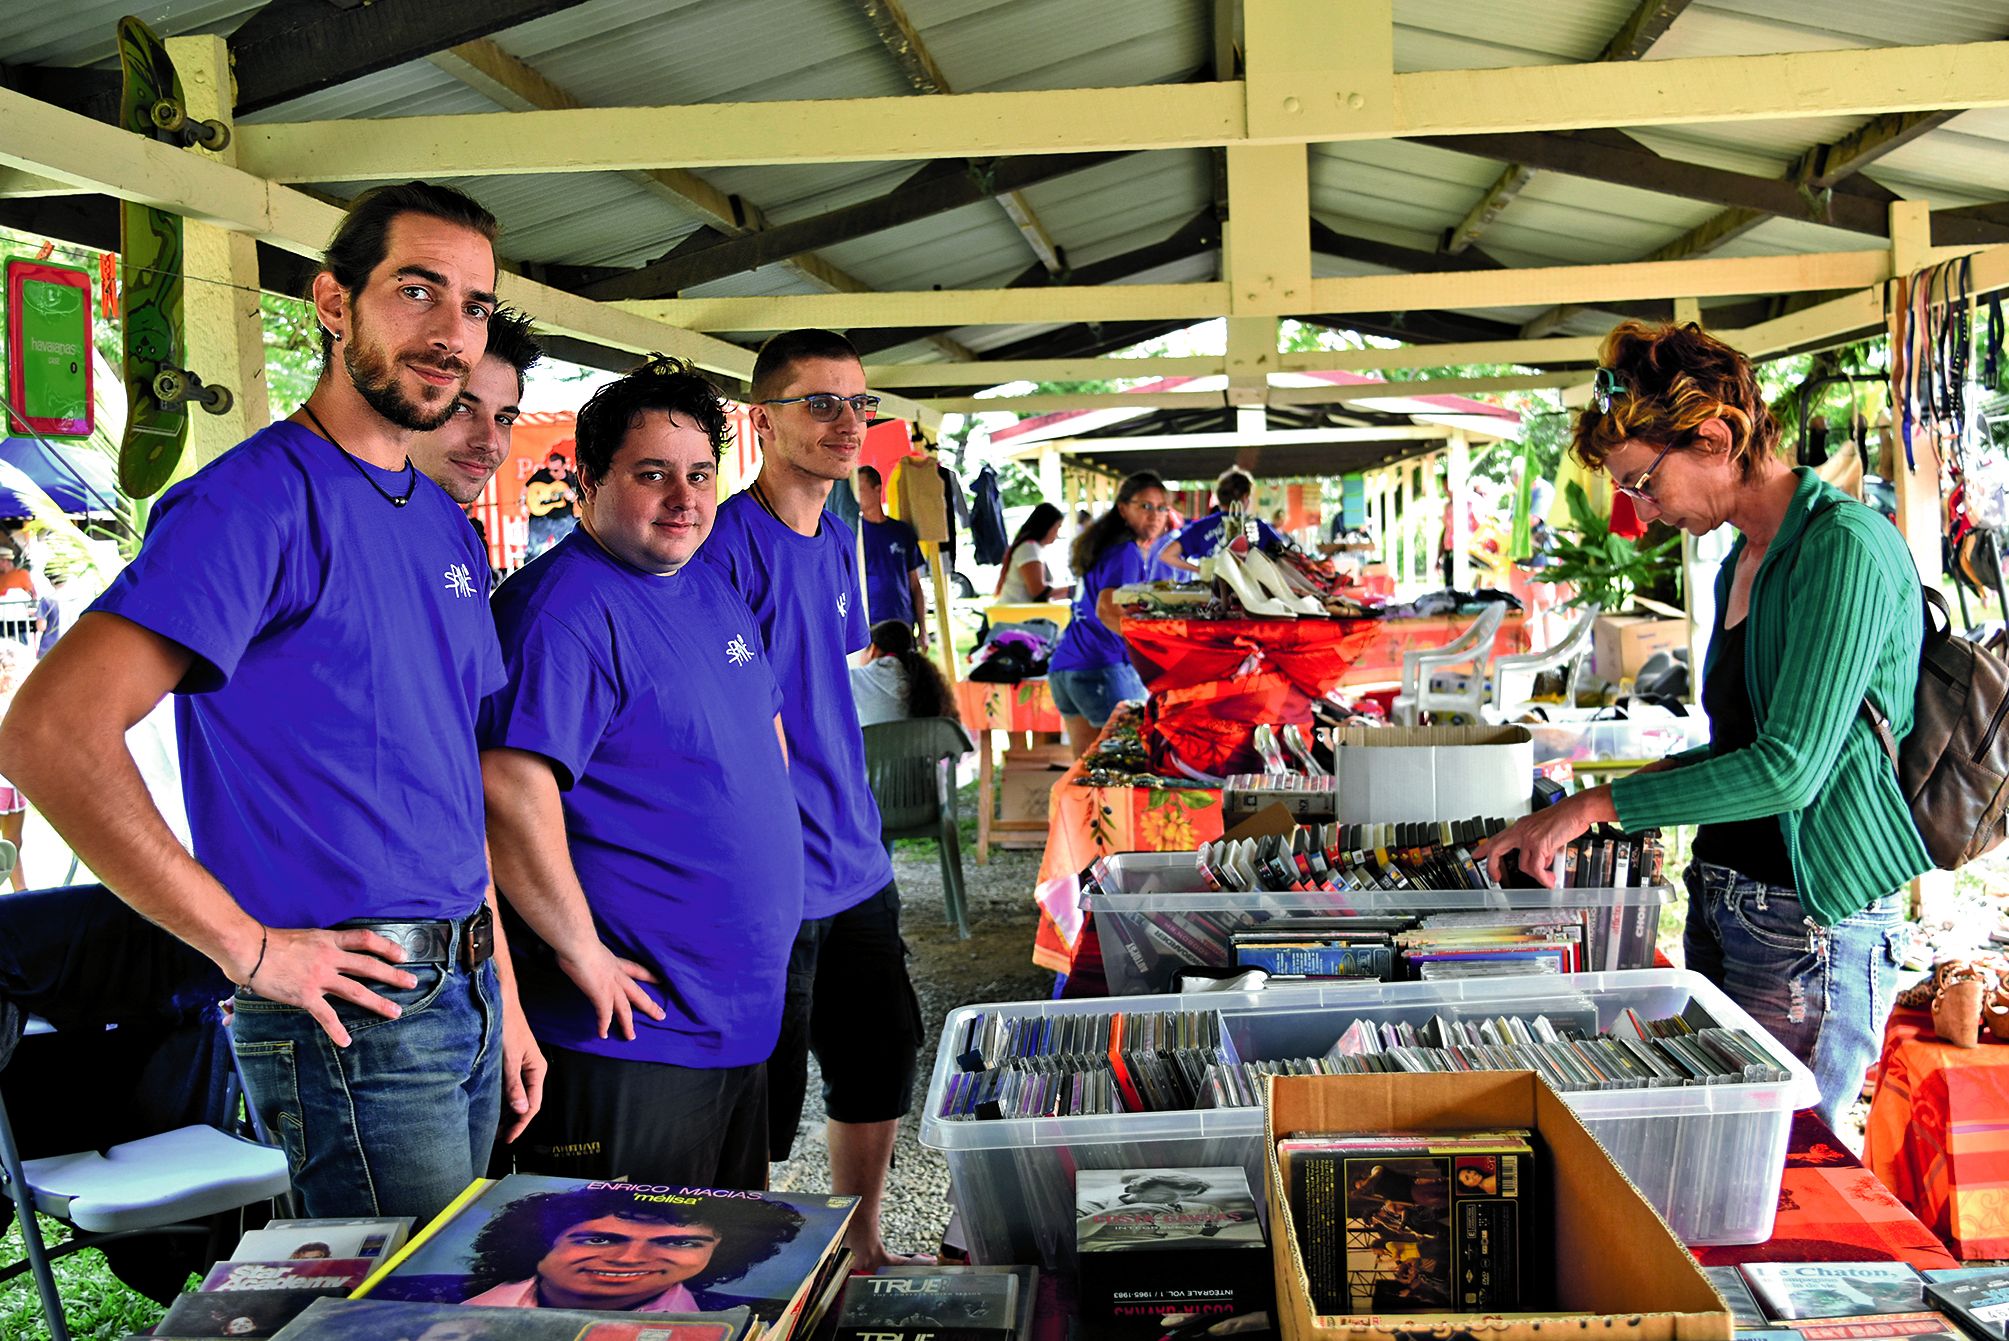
(479, 942)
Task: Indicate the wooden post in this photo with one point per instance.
(1412, 533)
(944, 629)
(225, 337)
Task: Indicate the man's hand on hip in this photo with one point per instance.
(613, 985)
(306, 967)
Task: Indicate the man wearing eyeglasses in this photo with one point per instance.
(849, 998)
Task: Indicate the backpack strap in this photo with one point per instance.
(1879, 723)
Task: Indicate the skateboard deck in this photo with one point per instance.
(150, 261)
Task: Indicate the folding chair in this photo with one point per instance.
(909, 765)
(1422, 692)
(1514, 676)
(144, 1006)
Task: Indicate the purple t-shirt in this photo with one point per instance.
(652, 697)
(804, 593)
(892, 552)
(1087, 643)
(1198, 539)
(342, 649)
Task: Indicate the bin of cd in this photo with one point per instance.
(1708, 1157)
(1152, 917)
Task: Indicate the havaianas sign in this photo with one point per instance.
(49, 348)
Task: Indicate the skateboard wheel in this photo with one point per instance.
(170, 386)
(168, 115)
(211, 135)
(217, 399)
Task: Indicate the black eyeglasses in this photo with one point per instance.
(825, 407)
(1638, 490)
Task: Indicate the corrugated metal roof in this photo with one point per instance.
(633, 52)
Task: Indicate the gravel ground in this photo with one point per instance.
(995, 964)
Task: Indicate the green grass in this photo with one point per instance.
(98, 1306)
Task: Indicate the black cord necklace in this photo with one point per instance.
(395, 500)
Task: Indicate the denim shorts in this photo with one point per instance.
(1093, 694)
(401, 1120)
(1823, 992)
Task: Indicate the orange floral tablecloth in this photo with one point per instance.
(1084, 823)
(1939, 1134)
(1025, 706)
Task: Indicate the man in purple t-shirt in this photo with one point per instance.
(313, 601)
(849, 996)
(632, 767)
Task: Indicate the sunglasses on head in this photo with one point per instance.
(1605, 387)
(824, 407)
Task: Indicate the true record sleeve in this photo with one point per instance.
(1431, 1224)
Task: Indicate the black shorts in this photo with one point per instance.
(606, 1118)
(851, 1002)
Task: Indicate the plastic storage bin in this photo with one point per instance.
(1640, 741)
(1708, 1156)
(1151, 917)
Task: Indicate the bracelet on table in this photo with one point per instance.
(264, 939)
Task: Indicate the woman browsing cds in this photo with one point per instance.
(1804, 834)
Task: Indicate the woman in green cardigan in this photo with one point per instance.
(1804, 836)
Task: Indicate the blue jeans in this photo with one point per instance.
(1823, 992)
(1094, 693)
(401, 1120)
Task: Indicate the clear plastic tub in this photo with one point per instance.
(1151, 918)
(1640, 741)
(1708, 1156)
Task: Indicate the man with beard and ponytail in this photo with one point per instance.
(318, 608)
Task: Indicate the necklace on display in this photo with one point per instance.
(411, 475)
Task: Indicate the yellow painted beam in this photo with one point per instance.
(954, 307)
(1051, 402)
(1362, 293)
(1563, 349)
(1823, 321)
(1160, 116)
(999, 371)
(1435, 386)
(1217, 397)
(1266, 245)
(1175, 442)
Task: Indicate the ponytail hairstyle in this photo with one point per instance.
(1043, 519)
(927, 692)
(1675, 379)
(1109, 530)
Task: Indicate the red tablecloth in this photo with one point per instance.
(1939, 1134)
(1832, 1209)
(1025, 706)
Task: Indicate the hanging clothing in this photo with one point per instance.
(987, 523)
(957, 504)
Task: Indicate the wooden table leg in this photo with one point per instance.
(986, 797)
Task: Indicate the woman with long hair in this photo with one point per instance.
(1198, 539)
(1090, 672)
(1805, 835)
(1025, 575)
(897, 681)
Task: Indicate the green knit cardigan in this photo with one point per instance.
(1835, 613)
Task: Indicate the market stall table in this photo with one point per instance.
(1022, 709)
(1939, 1133)
(1382, 662)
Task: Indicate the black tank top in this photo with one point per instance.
(1752, 847)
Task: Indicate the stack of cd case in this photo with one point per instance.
(1081, 1065)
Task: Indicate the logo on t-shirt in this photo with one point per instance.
(737, 652)
(458, 581)
(843, 604)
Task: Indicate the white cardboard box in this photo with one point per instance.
(1390, 774)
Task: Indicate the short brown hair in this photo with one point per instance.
(778, 357)
(1676, 378)
(1234, 486)
(362, 239)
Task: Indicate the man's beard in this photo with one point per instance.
(375, 379)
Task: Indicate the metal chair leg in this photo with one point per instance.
(952, 878)
(31, 1238)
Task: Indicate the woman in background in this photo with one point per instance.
(1025, 575)
(897, 682)
(1090, 672)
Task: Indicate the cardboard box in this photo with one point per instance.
(1620, 644)
(1025, 791)
(1617, 1268)
(1400, 773)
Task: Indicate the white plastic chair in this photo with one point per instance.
(1514, 676)
(1423, 692)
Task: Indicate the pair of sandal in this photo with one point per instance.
(1967, 997)
(1265, 738)
(1260, 586)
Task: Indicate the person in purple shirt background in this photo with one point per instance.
(893, 560)
(849, 997)
(1090, 672)
(316, 604)
(1198, 539)
(631, 767)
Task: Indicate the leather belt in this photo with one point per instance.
(433, 942)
